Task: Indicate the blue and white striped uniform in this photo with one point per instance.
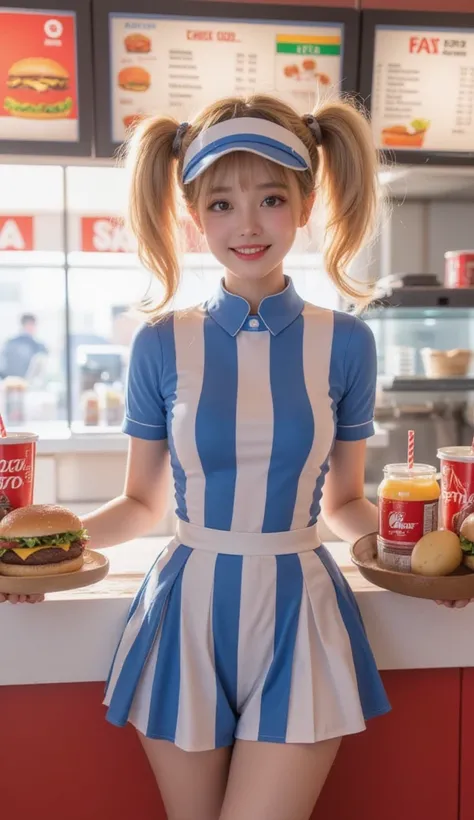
(244, 627)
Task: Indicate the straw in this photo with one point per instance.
(411, 449)
(3, 432)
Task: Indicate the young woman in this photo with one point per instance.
(244, 659)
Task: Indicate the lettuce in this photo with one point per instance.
(467, 546)
(47, 540)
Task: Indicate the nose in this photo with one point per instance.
(250, 223)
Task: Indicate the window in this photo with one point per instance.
(70, 282)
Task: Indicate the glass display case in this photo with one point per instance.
(425, 349)
(421, 343)
(425, 334)
(70, 286)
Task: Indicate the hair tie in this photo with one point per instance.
(178, 140)
(314, 127)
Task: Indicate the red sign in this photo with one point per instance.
(424, 45)
(38, 75)
(105, 234)
(108, 234)
(16, 233)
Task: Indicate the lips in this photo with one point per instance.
(250, 252)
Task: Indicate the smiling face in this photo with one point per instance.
(249, 210)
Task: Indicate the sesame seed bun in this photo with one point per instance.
(38, 67)
(38, 520)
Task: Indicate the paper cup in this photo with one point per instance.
(457, 486)
(17, 471)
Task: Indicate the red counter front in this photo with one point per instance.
(62, 761)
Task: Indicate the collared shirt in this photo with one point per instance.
(251, 405)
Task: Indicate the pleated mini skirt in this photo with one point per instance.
(254, 636)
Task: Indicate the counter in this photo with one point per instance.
(72, 636)
(65, 761)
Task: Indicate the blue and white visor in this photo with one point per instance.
(251, 134)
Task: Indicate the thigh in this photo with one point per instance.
(278, 780)
(192, 784)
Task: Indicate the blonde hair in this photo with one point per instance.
(344, 168)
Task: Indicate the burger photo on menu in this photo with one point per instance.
(38, 75)
(134, 78)
(137, 44)
(42, 539)
(131, 121)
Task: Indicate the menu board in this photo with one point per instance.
(175, 65)
(422, 96)
(38, 76)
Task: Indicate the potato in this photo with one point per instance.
(437, 553)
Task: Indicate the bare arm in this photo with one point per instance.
(345, 510)
(144, 500)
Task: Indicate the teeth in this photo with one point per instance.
(250, 251)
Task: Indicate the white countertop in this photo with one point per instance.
(72, 636)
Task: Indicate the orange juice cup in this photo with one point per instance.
(408, 509)
(17, 470)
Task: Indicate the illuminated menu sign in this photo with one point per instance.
(38, 76)
(423, 89)
(173, 65)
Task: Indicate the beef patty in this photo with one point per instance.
(49, 555)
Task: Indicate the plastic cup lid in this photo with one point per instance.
(464, 453)
(19, 438)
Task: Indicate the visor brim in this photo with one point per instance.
(278, 153)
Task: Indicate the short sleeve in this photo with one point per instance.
(145, 414)
(355, 410)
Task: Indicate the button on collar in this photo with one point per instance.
(275, 313)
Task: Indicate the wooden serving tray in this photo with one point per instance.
(456, 587)
(94, 569)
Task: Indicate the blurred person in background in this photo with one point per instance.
(18, 352)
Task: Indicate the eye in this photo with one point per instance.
(220, 206)
(273, 201)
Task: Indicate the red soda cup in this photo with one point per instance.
(17, 470)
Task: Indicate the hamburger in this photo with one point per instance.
(42, 539)
(138, 44)
(134, 78)
(467, 541)
(38, 75)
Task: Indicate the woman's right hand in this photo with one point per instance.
(20, 599)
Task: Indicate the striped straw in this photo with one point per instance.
(411, 449)
(3, 432)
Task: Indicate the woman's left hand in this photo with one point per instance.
(455, 604)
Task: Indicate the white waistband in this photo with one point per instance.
(247, 543)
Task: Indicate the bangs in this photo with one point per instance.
(241, 166)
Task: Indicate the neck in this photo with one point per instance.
(253, 291)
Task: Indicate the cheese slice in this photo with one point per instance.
(25, 552)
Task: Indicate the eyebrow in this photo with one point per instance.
(262, 187)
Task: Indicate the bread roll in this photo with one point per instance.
(437, 553)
